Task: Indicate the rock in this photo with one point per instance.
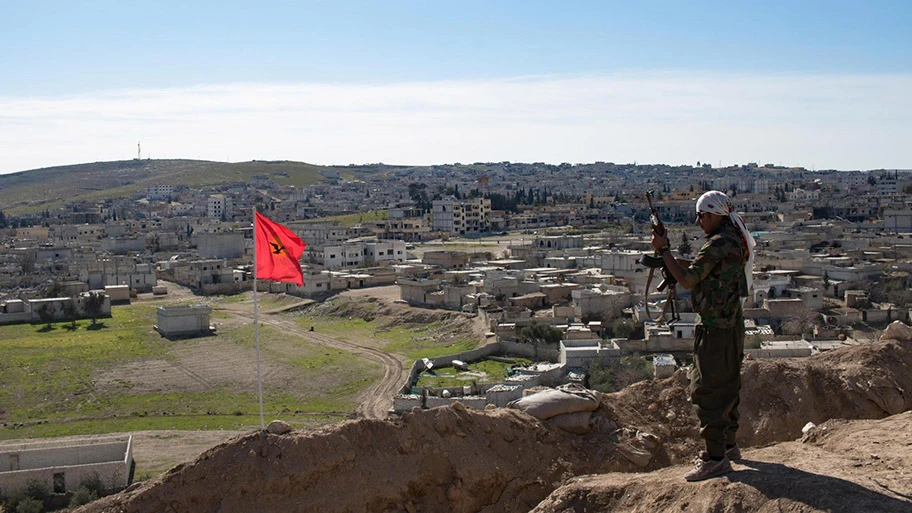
(647, 440)
(638, 457)
(897, 331)
(279, 427)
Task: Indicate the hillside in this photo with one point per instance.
(456, 459)
(36, 190)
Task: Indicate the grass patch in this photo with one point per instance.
(349, 220)
(47, 388)
(482, 371)
(412, 343)
(48, 374)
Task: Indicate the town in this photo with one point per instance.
(519, 244)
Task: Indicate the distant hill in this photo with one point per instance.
(47, 188)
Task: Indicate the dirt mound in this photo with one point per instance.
(453, 459)
(385, 314)
(446, 459)
(841, 466)
(779, 397)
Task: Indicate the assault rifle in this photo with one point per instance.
(655, 261)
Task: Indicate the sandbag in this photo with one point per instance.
(556, 401)
(578, 423)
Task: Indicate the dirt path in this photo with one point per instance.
(378, 399)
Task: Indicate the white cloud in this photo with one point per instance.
(826, 121)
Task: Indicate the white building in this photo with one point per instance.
(345, 255)
(385, 251)
(62, 465)
(180, 321)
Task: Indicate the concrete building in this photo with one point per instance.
(580, 346)
(218, 206)
(593, 303)
(460, 217)
(384, 251)
(345, 255)
(62, 465)
(183, 321)
(446, 259)
(781, 349)
(159, 192)
(414, 291)
(220, 245)
(898, 221)
(663, 365)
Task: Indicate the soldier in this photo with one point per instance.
(720, 276)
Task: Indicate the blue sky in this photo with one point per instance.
(817, 84)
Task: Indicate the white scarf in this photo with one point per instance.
(716, 202)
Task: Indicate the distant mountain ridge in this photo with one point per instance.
(36, 190)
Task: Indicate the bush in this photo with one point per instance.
(616, 375)
(83, 495)
(622, 328)
(37, 490)
(30, 505)
(541, 333)
(753, 342)
(92, 482)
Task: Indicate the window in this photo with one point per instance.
(59, 483)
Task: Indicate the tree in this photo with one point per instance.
(540, 333)
(615, 375)
(92, 304)
(70, 312)
(46, 314)
(622, 328)
(27, 262)
(684, 248)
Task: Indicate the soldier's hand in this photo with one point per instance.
(659, 241)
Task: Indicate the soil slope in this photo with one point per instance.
(499, 460)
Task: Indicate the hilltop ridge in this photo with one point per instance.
(501, 460)
(35, 189)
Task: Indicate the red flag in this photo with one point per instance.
(277, 252)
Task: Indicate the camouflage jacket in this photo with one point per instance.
(718, 271)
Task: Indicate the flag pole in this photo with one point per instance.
(256, 323)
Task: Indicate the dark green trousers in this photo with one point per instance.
(715, 384)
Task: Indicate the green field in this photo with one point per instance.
(412, 343)
(349, 220)
(48, 379)
(58, 381)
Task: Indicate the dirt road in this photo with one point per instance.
(378, 399)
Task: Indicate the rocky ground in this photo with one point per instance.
(456, 459)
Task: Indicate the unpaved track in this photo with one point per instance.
(378, 400)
